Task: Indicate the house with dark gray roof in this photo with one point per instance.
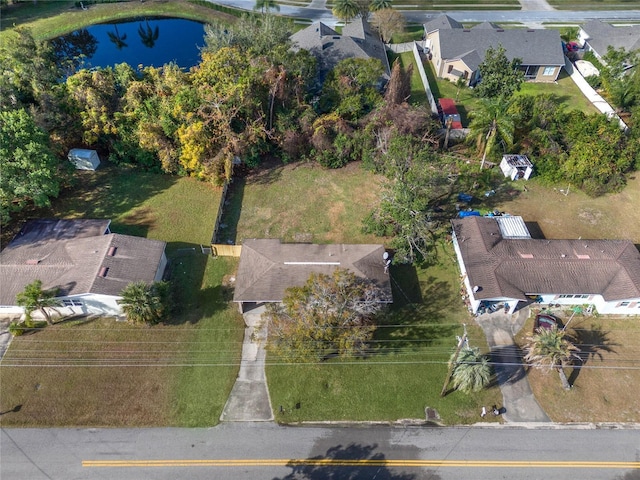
(87, 264)
(597, 36)
(268, 267)
(457, 52)
(501, 264)
(330, 47)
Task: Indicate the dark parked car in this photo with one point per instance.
(546, 321)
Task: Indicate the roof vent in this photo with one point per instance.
(33, 261)
(526, 255)
(103, 272)
(583, 257)
(563, 255)
(112, 251)
(500, 30)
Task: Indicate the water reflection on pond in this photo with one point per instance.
(147, 42)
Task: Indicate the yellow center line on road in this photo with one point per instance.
(331, 462)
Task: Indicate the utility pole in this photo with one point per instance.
(462, 341)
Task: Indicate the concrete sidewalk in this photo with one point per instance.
(518, 401)
(249, 400)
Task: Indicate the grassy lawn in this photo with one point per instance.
(595, 4)
(406, 370)
(565, 89)
(115, 374)
(51, 19)
(302, 202)
(418, 95)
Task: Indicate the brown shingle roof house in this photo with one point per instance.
(268, 267)
(501, 263)
(82, 259)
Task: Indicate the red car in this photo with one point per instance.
(546, 321)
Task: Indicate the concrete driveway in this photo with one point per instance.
(249, 400)
(518, 401)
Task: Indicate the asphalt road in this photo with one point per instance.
(267, 451)
(470, 16)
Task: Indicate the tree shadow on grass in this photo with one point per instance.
(417, 325)
(353, 462)
(593, 343)
(228, 228)
(185, 272)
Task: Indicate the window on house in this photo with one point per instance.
(624, 304)
(450, 69)
(530, 71)
(69, 302)
(549, 71)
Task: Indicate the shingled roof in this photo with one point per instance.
(329, 47)
(268, 267)
(76, 257)
(539, 47)
(602, 35)
(514, 268)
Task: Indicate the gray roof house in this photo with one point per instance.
(329, 47)
(597, 36)
(457, 52)
(501, 264)
(82, 259)
(268, 267)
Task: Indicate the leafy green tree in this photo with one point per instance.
(406, 211)
(145, 303)
(388, 22)
(551, 349)
(345, 10)
(471, 371)
(34, 298)
(28, 69)
(329, 315)
(351, 88)
(499, 76)
(267, 5)
(377, 5)
(28, 169)
(492, 123)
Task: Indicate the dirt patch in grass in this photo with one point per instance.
(604, 383)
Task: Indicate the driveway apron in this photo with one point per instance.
(520, 406)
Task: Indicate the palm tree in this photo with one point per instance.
(380, 4)
(267, 5)
(472, 371)
(34, 298)
(117, 39)
(492, 123)
(551, 349)
(148, 36)
(346, 10)
(143, 303)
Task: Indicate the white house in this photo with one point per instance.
(501, 264)
(84, 159)
(82, 259)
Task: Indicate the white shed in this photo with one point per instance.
(516, 167)
(84, 159)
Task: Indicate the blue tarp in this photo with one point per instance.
(469, 213)
(465, 197)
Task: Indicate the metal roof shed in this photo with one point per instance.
(84, 159)
(516, 167)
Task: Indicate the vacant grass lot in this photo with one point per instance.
(302, 202)
(114, 374)
(406, 369)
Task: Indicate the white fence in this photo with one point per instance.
(593, 96)
(425, 81)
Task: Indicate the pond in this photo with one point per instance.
(147, 42)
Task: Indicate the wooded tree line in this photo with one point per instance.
(252, 96)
